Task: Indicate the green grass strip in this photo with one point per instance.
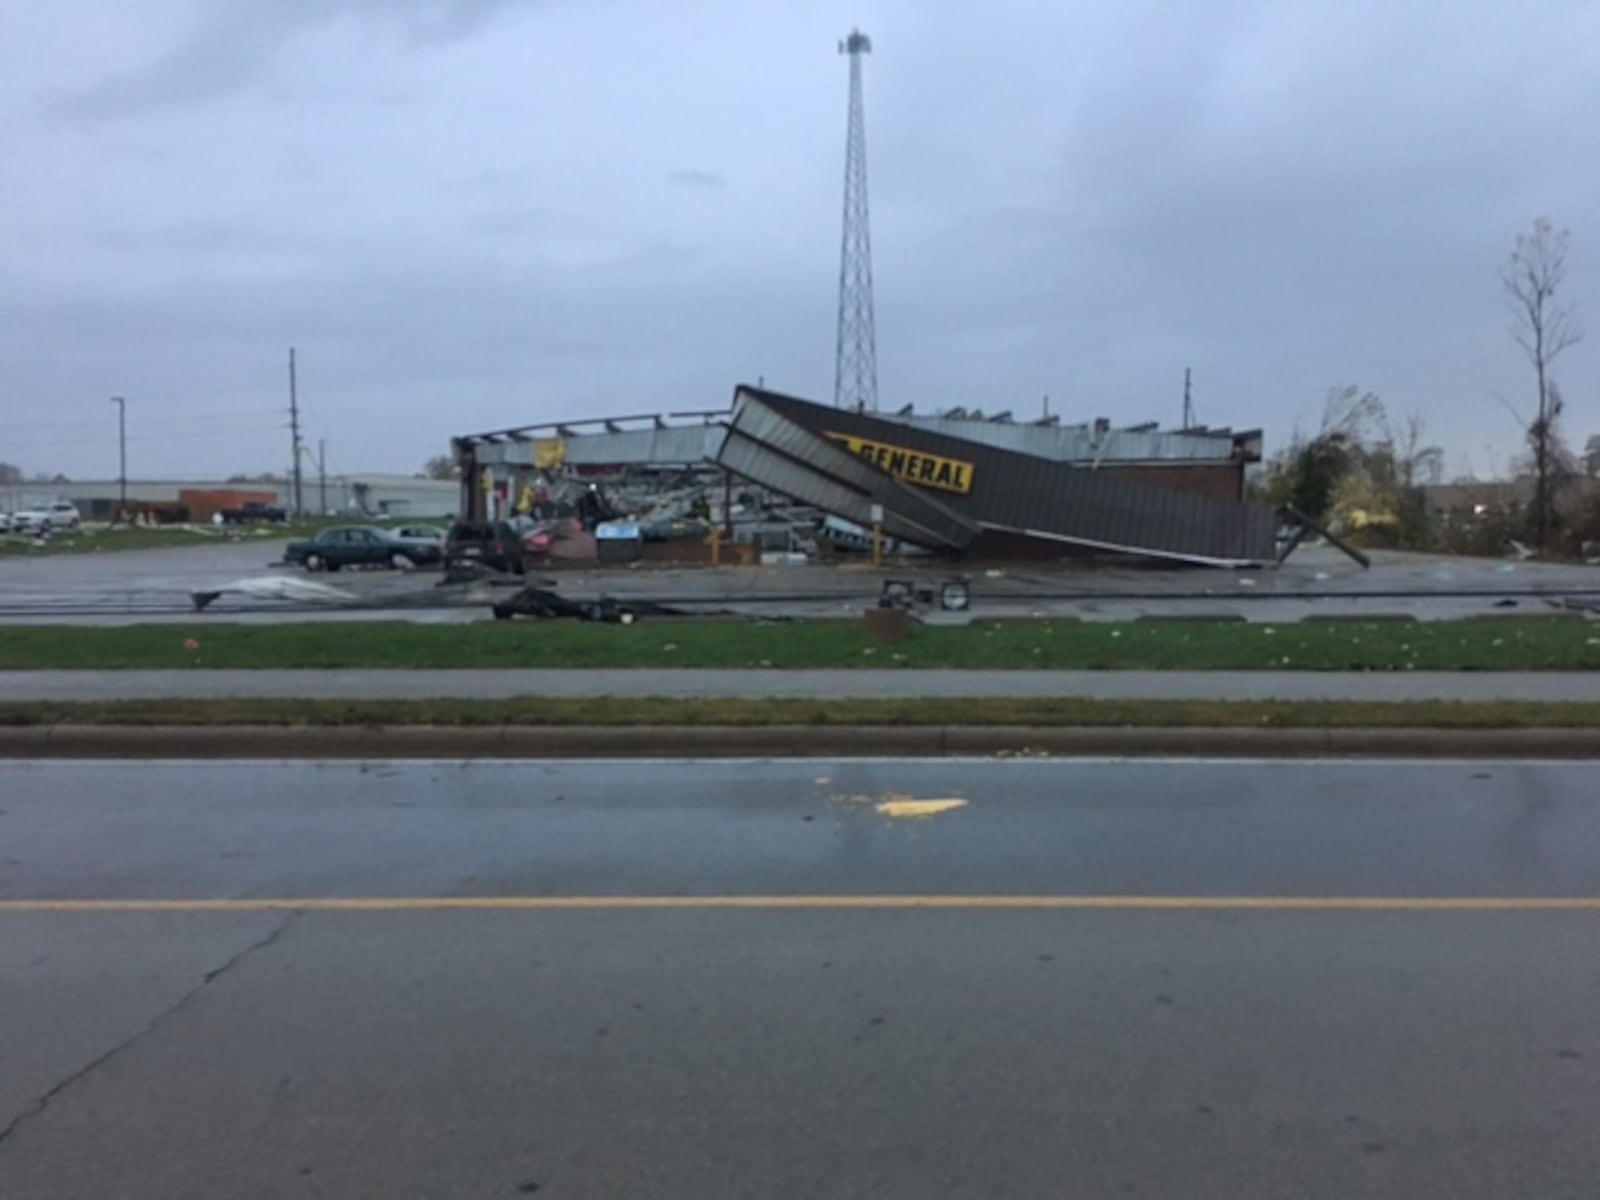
(1550, 643)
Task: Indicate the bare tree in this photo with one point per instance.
(441, 466)
(1543, 327)
(1416, 459)
(1350, 413)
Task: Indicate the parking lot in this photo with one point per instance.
(117, 587)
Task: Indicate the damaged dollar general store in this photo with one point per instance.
(776, 475)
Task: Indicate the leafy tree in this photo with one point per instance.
(1360, 472)
(1308, 473)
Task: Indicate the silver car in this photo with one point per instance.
(33, 519)
(45, 518)
(423, 543)
(64, 515)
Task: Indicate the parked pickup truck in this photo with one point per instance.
(251, 512)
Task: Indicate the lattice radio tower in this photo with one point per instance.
(855, 371)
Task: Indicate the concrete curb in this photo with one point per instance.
(779, 741)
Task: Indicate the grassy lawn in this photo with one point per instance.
(1485, 644)
(636, 711)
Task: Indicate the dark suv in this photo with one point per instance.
(491, 544)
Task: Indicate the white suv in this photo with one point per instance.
(42, 518)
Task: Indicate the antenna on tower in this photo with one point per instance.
(855, 371)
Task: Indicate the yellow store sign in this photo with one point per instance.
(913, 466)
(550, 454)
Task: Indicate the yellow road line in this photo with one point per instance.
(602, 903)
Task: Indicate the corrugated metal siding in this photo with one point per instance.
(675, 445)
(1064, 443)
(682, 444)
(1035, 495)
(766, 447)
(1099, 508)
(398, 494)
(1220, 481)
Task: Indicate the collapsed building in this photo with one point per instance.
(785, 475)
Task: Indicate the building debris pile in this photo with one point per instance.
(775, 479)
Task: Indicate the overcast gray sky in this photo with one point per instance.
(468, 214)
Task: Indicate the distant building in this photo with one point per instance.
(1475, 498)
(370, 495)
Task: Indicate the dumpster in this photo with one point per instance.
(618, 541)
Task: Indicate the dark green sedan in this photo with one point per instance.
(358, 546)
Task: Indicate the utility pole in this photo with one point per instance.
(122, 453)
(1188, 402)
(294, 433)
(322, 477)
(855, 370)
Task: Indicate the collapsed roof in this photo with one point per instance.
(942, 492)
(947, 482)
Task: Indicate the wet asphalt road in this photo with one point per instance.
(401, 1047)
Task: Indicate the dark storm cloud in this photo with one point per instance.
(224, 53)
(230, 46)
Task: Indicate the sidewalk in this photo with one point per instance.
(810, 685)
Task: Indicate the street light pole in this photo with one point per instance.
(122, 453)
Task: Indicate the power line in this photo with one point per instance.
(49, 443)
(188, 434)
(156, 421)
(66, 395)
